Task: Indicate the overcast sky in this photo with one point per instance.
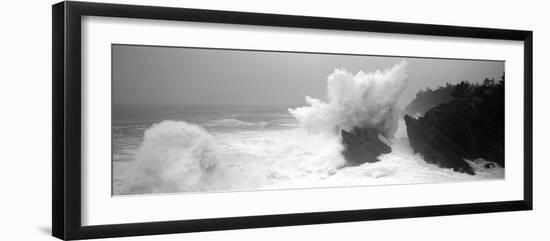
(156, 76)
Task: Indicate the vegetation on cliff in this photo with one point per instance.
(470, 126)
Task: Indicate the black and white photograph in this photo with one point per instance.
(275, 120)
(194, 120)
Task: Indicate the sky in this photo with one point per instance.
(177, 76)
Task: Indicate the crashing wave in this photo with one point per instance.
(174, 156)
(365, 100)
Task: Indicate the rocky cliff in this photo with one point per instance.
(468, 127)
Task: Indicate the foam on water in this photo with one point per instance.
(229, 123)
(360, 100)
(174, 157)
(181, 157)
(178, 156)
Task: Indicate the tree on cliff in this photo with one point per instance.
(427, 99)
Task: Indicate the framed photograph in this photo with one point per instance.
(170, 120)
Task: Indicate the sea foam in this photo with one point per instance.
(360, 100)
(174, 156)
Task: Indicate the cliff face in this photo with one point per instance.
(436, 147)
(470, 126)
(362, 145)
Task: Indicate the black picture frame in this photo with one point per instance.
(66, 128)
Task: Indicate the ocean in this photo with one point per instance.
(208, 148)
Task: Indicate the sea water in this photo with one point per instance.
(167, 150)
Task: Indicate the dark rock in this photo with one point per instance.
(362, 145)
(469, 127)
(435, 147)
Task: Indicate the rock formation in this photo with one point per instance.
(362, 145)
(470, 126)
